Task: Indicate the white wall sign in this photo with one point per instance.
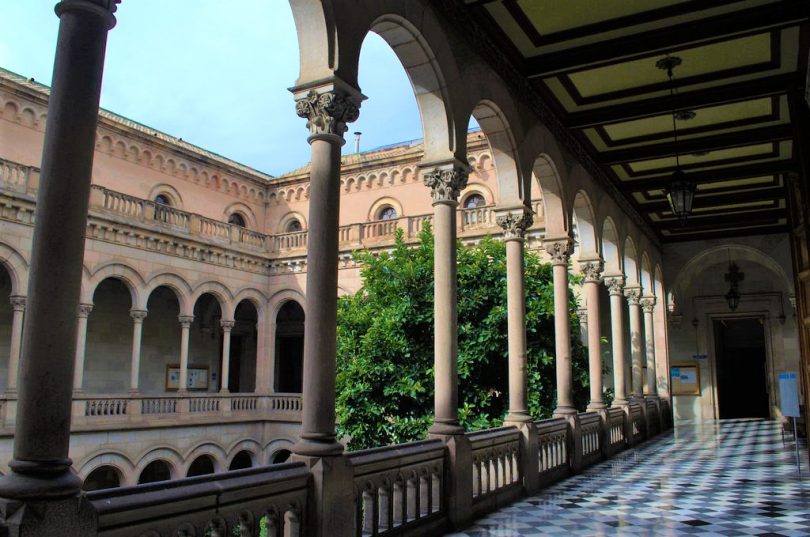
(789, 394)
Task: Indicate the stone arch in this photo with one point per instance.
(168, 454)
(589, 244)
(115, 459)
(285, 295)
(476, 188)
(17, 268)
(646, 275)
(255, 297)
(275, 446)
(177, 284)
(498, 131)
(242, 209)
(246, 444)
(126, 274)
(611, 249)
(556, 216)
(631, 263)
(381, 203)
(218, 290)
(210, 449)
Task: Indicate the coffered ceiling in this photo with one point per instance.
(743, 70)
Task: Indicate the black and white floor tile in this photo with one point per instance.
(729, 478)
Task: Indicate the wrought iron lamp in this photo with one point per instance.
(733, 277)
(680, 192)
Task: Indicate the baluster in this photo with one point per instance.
(435, 492)
(399, 504)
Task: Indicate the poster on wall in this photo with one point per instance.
(685, 378)
(197, 377)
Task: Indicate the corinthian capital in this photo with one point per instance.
(84, 310)
(514, 225)
(615, 285)
(633, 295)
(445, 185)
(327, 113)
(227, 325)
(592, 270)
(138, 315)
(648, 304)
(559, 250)
(17, 302)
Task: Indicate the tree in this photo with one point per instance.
(385, 343)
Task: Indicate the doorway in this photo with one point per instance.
(742, 372)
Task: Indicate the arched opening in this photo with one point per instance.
(244, 347)
(155, 471)
(387, 213)
(160, 341)
(205, 344)
(236, 219)
(293, 226)
(241, 461)
(552, 204)
(103, 477)
(5, 324)
(474, 201)
(202, 465)
(163, 199)
(108, 350)
(289, 348)
(492, 123)
(280, 456)
(587, 243)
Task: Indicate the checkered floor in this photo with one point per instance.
(707, 479)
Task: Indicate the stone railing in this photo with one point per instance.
(18, 177)
(590, 426)
(615, 431)
(637, 421)
(496, 476)
(259, 501)
(653, 420)
(553, 449)
(399, 489)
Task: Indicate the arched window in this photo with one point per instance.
(202, 465)
(280, 456)
(294, 226)
(241, 461)
(163, 199)
(474, 200)
(155, 471)
(237, 219)
(103, 477)
(387, 213)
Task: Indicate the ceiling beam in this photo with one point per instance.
(714, 175)
(743, 218)
(770, 16)
(731, 93)
(727, 233)
(711, 142)
(737, 196)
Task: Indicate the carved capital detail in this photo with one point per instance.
(592, 270)
(648, 304)
(84, 310)
(633, 295)
(227, 326)
(18, 302)
(138, 315)
(559, 250)
(514, 225)
(445, 185)
(327, 113)
(185, 320)
(615, 285)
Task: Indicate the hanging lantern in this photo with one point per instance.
(733, 299)
(680, 194)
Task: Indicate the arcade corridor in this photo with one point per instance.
(730, 478)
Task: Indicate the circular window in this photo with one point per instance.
(162, 199)
(474, 200)
(294, 226)
(387, 213)
(236, 219)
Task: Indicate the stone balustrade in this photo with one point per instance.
(638, 422)
(590, 424)
(399, 488)
(18, 177)
(615, 431)
(259, 501)
(553, 449)
(496, 476)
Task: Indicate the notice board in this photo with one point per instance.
(685, 378)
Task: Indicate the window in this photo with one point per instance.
(237, 219)
(163, 199)
(294, 226)
(387, 213)
(474, 200)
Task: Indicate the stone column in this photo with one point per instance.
(137, 328)
(615, 286)
(227, 326)
(18, 310)
(81, 345)
(41, 467)
(514, 226)
(633, 295)
(327, 112)
(560, 251)
(592, 270)
(185, 326)
(648, 306)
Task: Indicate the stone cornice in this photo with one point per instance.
(457, 16)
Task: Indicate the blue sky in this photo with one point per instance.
(215, 75)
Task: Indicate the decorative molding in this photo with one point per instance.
(633, 295)
(559, 250)
(514, 225)
(615, 285)
(227, 326)
(185, 320)
(592, 270)
(17, 302)
(648, 304)
(84, 310)
(327, 112)
(138, 315)
(446, 185)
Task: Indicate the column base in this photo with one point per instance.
(619, 403)
(459, 487)
(596, 407)
(330, 509)
(134, 391)
(29, 480)
(68, 517)
(445, 429)
(517, 419)
(564, 412)
(326, 446)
